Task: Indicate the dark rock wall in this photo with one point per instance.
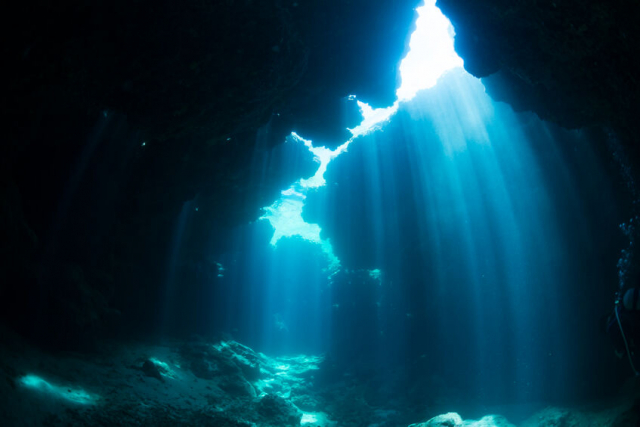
(88, 212)
(574, 63)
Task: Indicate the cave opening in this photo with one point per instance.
(431, 54)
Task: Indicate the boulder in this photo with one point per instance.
(450, 419)
(489, 421)
(237, 386)
(150, 369)
(276, 411)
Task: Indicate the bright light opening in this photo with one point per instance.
(431, 52)
(321, 155)
(431, 55)
(372, 119)
(285, 216)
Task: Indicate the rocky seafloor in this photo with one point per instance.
(226, 384)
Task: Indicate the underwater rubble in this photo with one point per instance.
(177, 383)
(620, 415)
(222, 383)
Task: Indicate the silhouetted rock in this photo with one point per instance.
(571, 62)
(151, 370)
(276, 411)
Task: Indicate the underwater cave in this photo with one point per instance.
(382, 213)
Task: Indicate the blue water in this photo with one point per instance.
(478, 248)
